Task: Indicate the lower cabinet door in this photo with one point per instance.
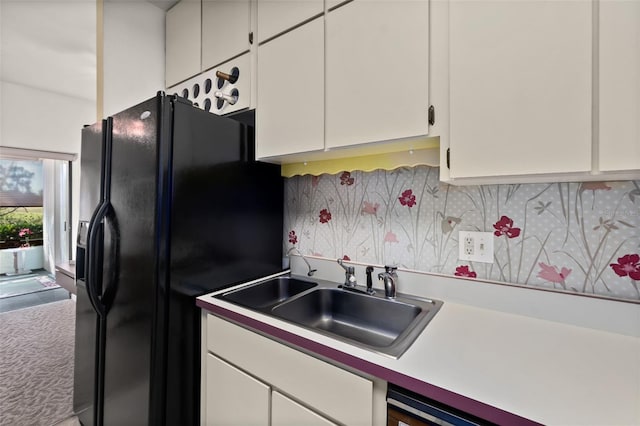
(233, 397)
(285, 412)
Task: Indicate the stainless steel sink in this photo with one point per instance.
(269, 293)
(373, 322)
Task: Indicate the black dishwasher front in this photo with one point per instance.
(406, 408)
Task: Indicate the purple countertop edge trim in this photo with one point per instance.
(460, 402)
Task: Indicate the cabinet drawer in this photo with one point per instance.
(319, 384)
(227, 405)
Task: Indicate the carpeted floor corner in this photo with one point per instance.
(36, 364)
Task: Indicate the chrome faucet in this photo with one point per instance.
(390, 278)
(349, 275)
(311, 271)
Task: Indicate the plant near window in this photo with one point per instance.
(24, 233)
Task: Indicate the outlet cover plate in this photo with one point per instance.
(475, 246)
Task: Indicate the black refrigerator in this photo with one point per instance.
(172, 206)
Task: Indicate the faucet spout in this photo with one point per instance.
(390, 279)
(294, 248)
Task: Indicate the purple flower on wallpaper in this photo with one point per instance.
(505, 227)
(293, 238)
(325, 216)
(407, 198)
(390, 237)
(463, 271)
(314, 181)
(346, 179)
(629, 264)
(370, 208)
(551, 273)
(345, 257)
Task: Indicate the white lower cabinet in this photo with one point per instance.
(285, 412)
(246, 373)
(227, 405)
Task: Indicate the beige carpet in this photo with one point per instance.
(36, 364)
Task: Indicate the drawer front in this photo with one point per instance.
(66, 282)
(227, 405)
(332, 391)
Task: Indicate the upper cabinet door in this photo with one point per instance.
(520, 87)
(619, 141)
(290, 98)
(182, 40)
(276, 16)
(225, 30)
(377, 71)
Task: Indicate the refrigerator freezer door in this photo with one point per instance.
(86, 317)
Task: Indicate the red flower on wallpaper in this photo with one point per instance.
(293, 238)
(345, 257)
(346, 179)
(407, 198)
(325, 216)
(505, 227)
(594, 186)
(314, 181)
(551, 273)
(629, 264)
(463, 271)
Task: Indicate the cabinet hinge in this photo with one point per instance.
(251, 37)
(448, 158)
(432, 115)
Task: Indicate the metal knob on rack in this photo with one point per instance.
(231, 98)
(231, 78)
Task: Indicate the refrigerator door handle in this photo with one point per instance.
(111, 287)
(92, 259)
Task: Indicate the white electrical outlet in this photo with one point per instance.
(475, 246)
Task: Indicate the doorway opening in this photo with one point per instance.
(35, 231)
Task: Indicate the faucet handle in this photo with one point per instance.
(349, 269)
(390, 269)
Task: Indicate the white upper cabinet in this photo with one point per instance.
(377, 71)
(277, 16)
(520, 75)
(202, 34)
(619, 138)
(182, 42)
(290, 92)
(225, 30)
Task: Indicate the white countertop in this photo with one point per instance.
(545, 371)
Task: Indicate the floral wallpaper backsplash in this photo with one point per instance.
(577, 237)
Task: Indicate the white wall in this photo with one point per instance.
(47, 77)
(133, 54)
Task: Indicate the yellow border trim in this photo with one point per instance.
(367, 163)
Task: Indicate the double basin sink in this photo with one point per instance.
(373, 322)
